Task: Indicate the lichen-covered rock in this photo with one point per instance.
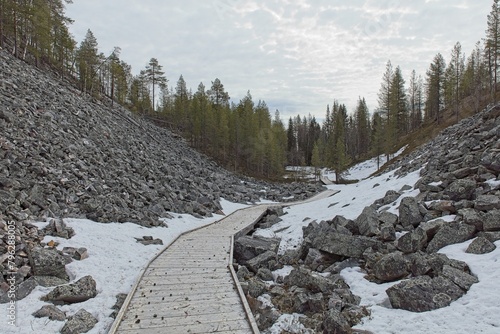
(409, 212)
(451, 233)
(80, 291)
(391, 267)
(423, 293)
(481, 245)
(81, 322)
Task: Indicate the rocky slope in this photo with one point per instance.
(459, 177)
(64, 155)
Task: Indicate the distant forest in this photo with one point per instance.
(245, 136)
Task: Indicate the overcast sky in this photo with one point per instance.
(297, 55)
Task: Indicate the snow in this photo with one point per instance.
(116, 260)
(476, 312)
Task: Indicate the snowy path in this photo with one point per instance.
(191, 285)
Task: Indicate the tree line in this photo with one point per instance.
(244, 136)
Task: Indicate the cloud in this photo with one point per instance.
(297, 55)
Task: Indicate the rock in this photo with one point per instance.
(82, 290)
(354, 314)
(461, 189)
(246, 247)
(48, 262)
(491, 221)
(49, 281)
(58, 228)
(423, 293)
(391, 267)
(343, 245)
(81, 322)
(120, 300)
(22, 291)
(261, 261)
(388, 218)
(316, 259)
(472, 217)
(487, 202)
(409, 212)
(148, 240)
(304, 278)
(368, 222)
(308, 303)
(265, 274)
(256, 287)
(450, 233)
(51, 312)
(336, 323)
(459, 277)
(481, 245)
(412, 241)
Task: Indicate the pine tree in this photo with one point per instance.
(362, 127)
(398, 111)
(155, 76)
(492, 46)
(415, 101)
(435, 85)
(87, 62)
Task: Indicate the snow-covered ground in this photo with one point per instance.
(115, 261)
(476, 312)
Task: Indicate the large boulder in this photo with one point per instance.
(449, 234)
(343, 245)
(80, 291)
(247, 247)
(462, 189)
(409, 212)
(423, 293)
(48, 262)
(368, 222)
(391, 267)
(412, 241)
(81, 322)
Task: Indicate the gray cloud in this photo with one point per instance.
(296, 55)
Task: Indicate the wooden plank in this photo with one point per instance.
(159, 271)
(175, 276)
(207, 297)
(184, 309)
(213, 327)
(183, 290)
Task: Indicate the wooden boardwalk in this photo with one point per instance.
(191, 286)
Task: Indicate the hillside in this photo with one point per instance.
(65, 155)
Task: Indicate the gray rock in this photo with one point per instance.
(335, 323)
(368, 222)
(459, 277)
(461, 189)
(388, 218)
(423, 293)
(344, 245)
(51, 312)
(265, 274)
(412, 241)
(81, 322)
(472, 217)
(246, 247)
(80, 291)
(58, 228)
(451, 233)
(49, 281)
(409, 212)
(492, 221)
(391, 267)
(48, 262)
(487, 202)
(256, 287)
(481, 245)
(308, 303)
(304, 278)
(261, 261)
